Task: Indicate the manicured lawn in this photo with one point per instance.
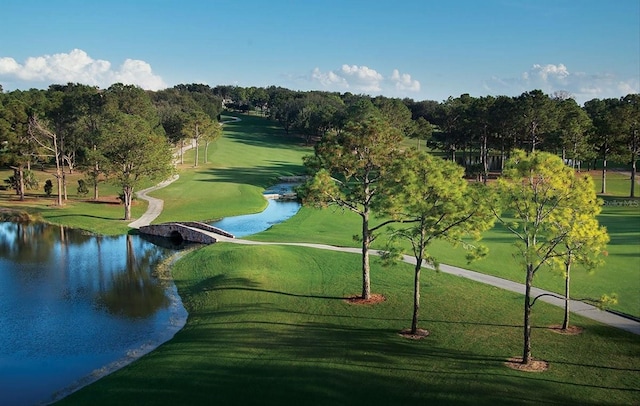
(620, 273)
(268, 326)
(248, 158)
(104, 216)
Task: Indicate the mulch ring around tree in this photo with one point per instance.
(569, 331)
(534, 365)
(418, 335)
(374, 298)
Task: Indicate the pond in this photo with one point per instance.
(75, 306)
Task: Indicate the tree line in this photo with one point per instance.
(477, 132)
(122, 134)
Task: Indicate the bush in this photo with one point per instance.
(48, 187)
(82, 187)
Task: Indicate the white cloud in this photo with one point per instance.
(139, 73)
(551, 78)
(78, 66)
(404, 82)
(357, 78)
(361, 77)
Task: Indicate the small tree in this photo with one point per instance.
(585, 238)
(431, 199)
(83, 190)
(48, 187)
(47, 146)
(348, 169)
(212, 133)
(536, 191)
(200, 127)
(134, 154)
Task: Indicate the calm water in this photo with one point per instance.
(75, 306)
(276, 212)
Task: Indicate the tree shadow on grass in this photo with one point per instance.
(262, 133)
(88, 216)
(261, 176)
(261, 362)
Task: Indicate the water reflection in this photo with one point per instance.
(132, 292)
(72, 302)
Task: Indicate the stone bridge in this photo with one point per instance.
(191, 231)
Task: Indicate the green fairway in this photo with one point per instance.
(249, 157)
(269, 326)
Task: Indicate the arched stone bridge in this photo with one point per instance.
(191, 231)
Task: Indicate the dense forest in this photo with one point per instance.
(125, 132)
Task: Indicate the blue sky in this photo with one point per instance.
(422, 49)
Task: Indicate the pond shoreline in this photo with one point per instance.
(177, 320)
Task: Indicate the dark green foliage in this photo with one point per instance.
(83, 190)
(48, 187)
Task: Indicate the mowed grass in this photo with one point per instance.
(104, 216)
(620, 273)
(268, 326)
(248, 158)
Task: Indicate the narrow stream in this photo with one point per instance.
(276, 212)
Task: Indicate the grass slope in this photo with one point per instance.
(268, 326)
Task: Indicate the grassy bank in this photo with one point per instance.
(103, 216)
(268, 325)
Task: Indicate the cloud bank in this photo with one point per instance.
(78, 67)
(354, 78)
(552, 78)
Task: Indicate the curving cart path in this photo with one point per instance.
(155, 205)
(577, 307)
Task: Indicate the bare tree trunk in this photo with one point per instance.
(526, 350)
(197, 137)
(64, 185)
(565, 322)
(182, 151)
(485, 159)
(416, 296)
(604, 175)
(96, 174)
(18, 175)
(366, 269)
(128, 198)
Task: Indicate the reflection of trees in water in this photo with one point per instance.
(35, 242)
(76, 264)
(26, 242)
(133, 292)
